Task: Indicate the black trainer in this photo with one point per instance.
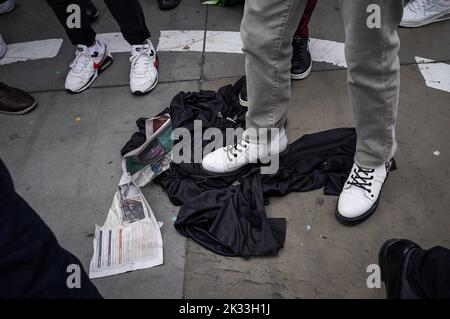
(301, 62)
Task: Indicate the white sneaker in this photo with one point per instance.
(144, 68)
(422, 12)
(7, 6)
(361, 194)
(232, 157)
(2, 47)
(88, 64)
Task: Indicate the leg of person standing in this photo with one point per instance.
(371, 48)
(92, 56)
(301, 62)
(144, 61)
(78, 28)
(267, 29)
(128, 14)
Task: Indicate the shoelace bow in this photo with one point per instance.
(358, 180)
(140, 61)
(81, 61)
(238, 147)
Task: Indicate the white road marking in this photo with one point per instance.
(171, 40)
(115, 41)
(328, 51)
(436, 75)
(181, 40)
(192, 41)
(33, 50)
(230, 42)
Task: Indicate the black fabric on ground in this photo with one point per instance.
(225, 213)
(232, 221)
(32, 264)
(137, 139)
(219, 109)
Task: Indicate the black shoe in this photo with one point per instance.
(301, 62)
(91, 11)
(15, 101)
(243, 100)
(391, 259)
(168, 4)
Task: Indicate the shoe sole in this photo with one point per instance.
(242, 102)
(105, 65)
(28, 109)
(303, 75)
(357, 220)
(360, 219)
(151, 88)
(441, 17)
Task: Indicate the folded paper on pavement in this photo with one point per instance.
(130, 238)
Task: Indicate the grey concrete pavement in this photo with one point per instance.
(68, 169)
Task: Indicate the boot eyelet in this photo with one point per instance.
(372, 196)
(235, 155)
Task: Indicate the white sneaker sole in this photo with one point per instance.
(302, 75)
(151, 88)
(437, 18)
(242, 102)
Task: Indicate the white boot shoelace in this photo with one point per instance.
(360, 178)
(239, 147)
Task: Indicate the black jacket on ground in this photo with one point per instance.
(225, 213)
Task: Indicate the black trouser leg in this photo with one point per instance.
(85, 34)
(32, 264)
(129, 16)
(429, 273)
